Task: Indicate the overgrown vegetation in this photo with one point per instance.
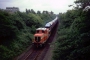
(16, 31)
(73, 42)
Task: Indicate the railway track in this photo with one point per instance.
(39, 54)
(31, 55)
(34, 55)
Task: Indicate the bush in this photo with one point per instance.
(73, 42)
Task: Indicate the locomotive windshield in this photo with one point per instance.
(37, 31)
(37, 39)
(43, 31)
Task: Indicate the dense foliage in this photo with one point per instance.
(73, 42)
(16, 31)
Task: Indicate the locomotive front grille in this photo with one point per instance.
(37, 39)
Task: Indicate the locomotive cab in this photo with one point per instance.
(41, 36)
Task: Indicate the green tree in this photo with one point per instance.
(32, 11)
(82, 3)
(73, 42)
(38, 12)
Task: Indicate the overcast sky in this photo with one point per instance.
(50, 5)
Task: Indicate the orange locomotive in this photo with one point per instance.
(42, 34)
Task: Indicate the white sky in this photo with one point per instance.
(50, 5)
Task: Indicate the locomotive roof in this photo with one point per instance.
(41, 29)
